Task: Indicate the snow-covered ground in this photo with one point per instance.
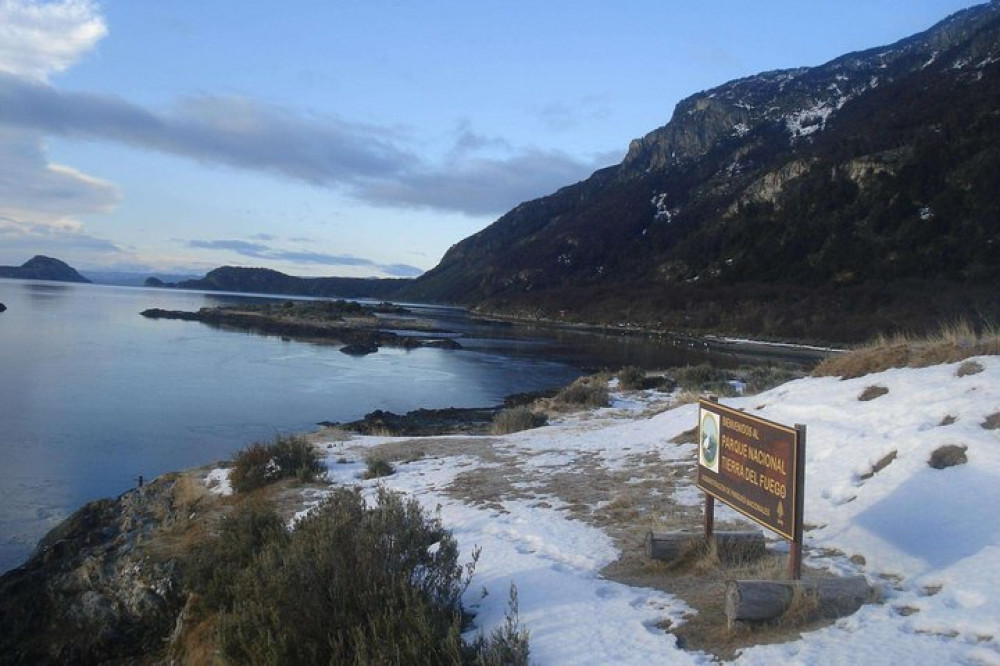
(541, 505)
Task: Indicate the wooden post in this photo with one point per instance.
(709, 499)
(795, 549)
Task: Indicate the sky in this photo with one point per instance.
(353, 139)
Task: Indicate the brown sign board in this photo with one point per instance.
(753, 465)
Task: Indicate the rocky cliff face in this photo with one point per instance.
(869, 170)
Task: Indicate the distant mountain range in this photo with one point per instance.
(42, 268)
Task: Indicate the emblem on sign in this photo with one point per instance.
(708, 438)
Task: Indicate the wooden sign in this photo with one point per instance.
(753, 465)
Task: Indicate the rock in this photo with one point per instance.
(443, 343)
(3, 308)
(89, 594)
(423, 422)
(359, 349)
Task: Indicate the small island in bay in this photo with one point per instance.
(362, 328)
(42, 268)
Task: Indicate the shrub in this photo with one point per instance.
(704, 378)
(296, 457)
(351, 585)
(377, 467)
(631, 378)
(261, 464)
(760, 378)
(516, 419)
(589, 392)
(508, 644)
(214, 565)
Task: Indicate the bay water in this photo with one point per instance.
(92, 394)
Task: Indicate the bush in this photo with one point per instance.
(516, 419)
(508, 644)
(261, 464)
(214, 565)
(588, 392)
(377, 467)
(760, 378)
(631, 378)
(352, 585)
(701, 377)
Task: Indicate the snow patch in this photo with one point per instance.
(218, 483)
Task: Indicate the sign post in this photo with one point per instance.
(755, 466)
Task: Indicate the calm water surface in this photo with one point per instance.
(93, 395)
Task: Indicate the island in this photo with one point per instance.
(43, 268)
(362, 329)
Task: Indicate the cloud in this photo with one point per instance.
(368, 161)
(224, 130)
(261, 251)
(480, 186)
(36, 191)
(561, 115)
(37, 39)
(19, 241)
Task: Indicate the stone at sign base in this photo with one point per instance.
(731, 547)
(759, 600)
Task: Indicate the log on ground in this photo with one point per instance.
(731, 547)
(759, 600)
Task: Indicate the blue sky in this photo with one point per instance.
(353, 138)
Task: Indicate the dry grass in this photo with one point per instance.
(882, 463)
(516, 419)
(969, 368)
(195, 641)
(952, 343)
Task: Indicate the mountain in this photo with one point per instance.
(267, 281)
(826, 202)
(42, 268)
